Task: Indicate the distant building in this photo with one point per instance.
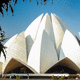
(46, 46)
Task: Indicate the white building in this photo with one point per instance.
(46, 46)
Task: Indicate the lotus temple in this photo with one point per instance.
(47, 46)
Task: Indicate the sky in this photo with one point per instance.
(26, 12)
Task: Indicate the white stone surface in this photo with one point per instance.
(47, 26)
(63, 24)
(16, 63)
(46, 43)
(33, 27)
(17, 49)
(31, 32)
(48, 55)
(70, 48)
(7, 44)
(58, 32)
(43, 55)
(68, 63)
(59, 28)
(43, 48)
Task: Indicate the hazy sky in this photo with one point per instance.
(25, 12)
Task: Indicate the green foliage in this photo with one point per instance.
(55, 77)
(17, 77)
(2, 39)
(61, 78)
(5, 4)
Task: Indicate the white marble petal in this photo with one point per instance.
(17, 49)
(7, 44)
(43, 55)
(70, 48)
(31, 32)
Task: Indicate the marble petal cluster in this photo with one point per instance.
(47, 42)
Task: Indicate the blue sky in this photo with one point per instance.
(25, 12)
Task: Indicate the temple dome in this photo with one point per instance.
(46, 43)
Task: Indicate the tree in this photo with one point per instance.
(2, 39)
(4, 4)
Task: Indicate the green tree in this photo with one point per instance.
(2, 39)
(5, 4)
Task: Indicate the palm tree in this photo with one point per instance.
(2, 39)
(2, 47)
(4, 4)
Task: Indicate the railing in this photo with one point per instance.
(40, 76)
